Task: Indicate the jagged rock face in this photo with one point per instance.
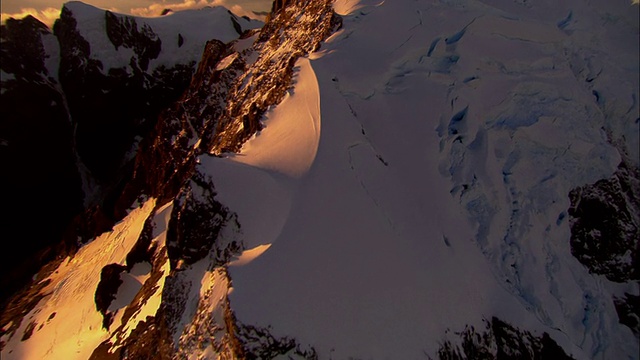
(502, 341)
(223, 105)
(196, 222)
(106, 290)
(201, 234)
(259, 343)
(123, 31)
(23, 50)
(279, 5)
(605, 225)
(35, 152)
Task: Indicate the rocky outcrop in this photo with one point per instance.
(124, 31)
(259, 343)
(502, 341)
(278, 5)
(227, 96)
(605, 225)
(166, 158)
(203, 235)
(107, 289)
(195, 226)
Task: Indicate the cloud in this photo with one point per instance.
(47, 16)
(156, 9)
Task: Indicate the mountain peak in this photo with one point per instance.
(453, 179)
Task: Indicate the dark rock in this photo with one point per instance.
(259, 343)
(13, 312)
(166, 157)
(500, 341)
(107, 289)
(22, 50)
(196, 221)
(148, 341)
(605, 225)
(36, 152)
(124, 31)
(278, 5)
(628, 309)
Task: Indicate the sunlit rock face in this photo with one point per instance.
(358, 179)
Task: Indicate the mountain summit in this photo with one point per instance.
(352, 179)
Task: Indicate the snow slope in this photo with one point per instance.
(65, 323)
(451, 134)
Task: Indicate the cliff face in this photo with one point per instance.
(36, 151)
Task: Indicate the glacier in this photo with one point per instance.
(450, 138)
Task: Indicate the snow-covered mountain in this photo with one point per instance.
(365, 180)
(75, 104)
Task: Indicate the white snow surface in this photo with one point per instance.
(451, 134)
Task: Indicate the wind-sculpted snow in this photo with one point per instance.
(290, 144)
(258, 183)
